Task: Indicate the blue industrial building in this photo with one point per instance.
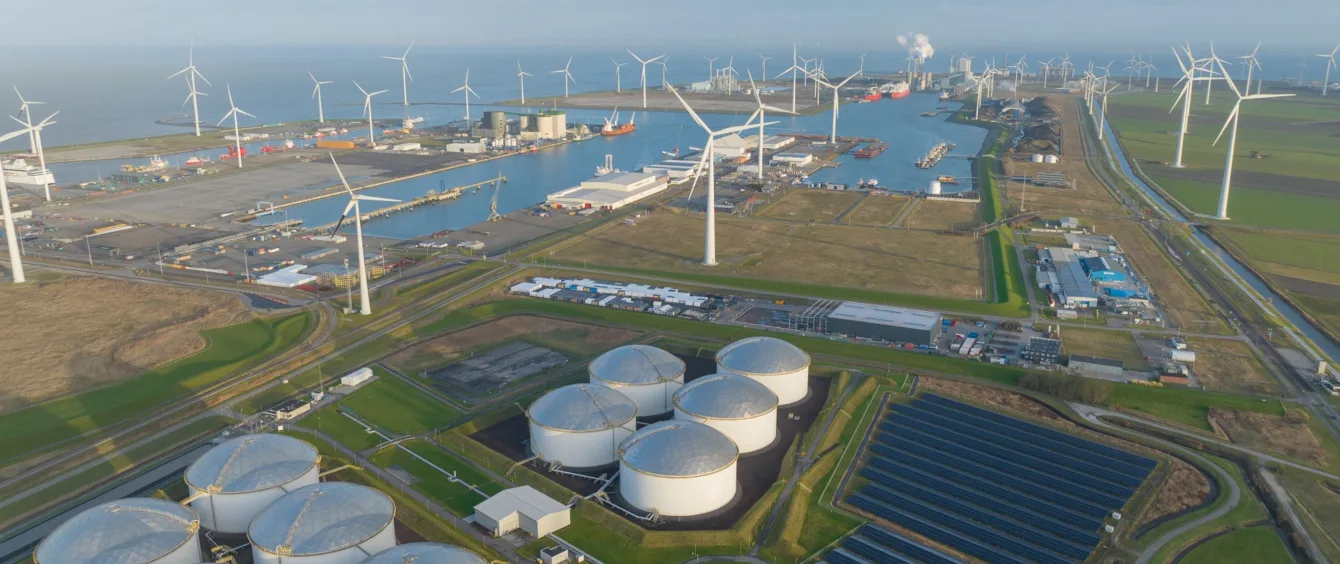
(1100, 270)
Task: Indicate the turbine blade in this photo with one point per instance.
(1232, 117)
(692, 113)
(375, 198)
(702, 168)
(348, 208)
(360, 88)
(246, 114)
(342, 180)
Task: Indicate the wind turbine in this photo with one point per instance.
(795, 71)
(618, 76)
(1251, 62)
(567, 76)
(1132, 67)
(26, 108)
(364, 302)
(1047, 71)
(1330, 64)
(191, 74)
(1102, 114)
(710, 60)
(730, 67)
(761, 114)
(316, 93)
(665, 67)
(522, 75)
(1233, 136)
(468, 91)
(644, 73)
(36, 133)
(861, 72)
(1184, 97)
(765, 64)
(1212, 60)
(710, 243)
(233, 111)
(367, 110)
(405, 76)
(981, 81)
(833, 136)
(11, 237)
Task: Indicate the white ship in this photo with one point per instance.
(18, 171)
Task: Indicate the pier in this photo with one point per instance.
(425, 200)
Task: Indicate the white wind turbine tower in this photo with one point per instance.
(765, 64)
(665, 67)
(1330, 64)
(316, 93)
(618, 76)
(36, 132)
(644, 73)
(191, 74)
(710, 60)
(981, 82)
(861, 72)
(26, 108)
(367, 110)
(468, 92)
(233, 111)
(1213, 59)
(761, 115)
(1252, 64)
(1233, 136)
(1102, 113)
(567, 76)
(405, 76)
(796, 71)
(11, 237)
(522, 75)
(1184, 97)
(708, 159)
(364, 302)
(833, 136)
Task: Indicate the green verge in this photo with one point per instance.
(230, 350)
(1258, 545)
(1248, 510)
(332, 423)
(457, 498)
(397, 406)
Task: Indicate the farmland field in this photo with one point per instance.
(805, 204)
(1259, 545)
(1230, 366)
(932, 214)
(879, 211)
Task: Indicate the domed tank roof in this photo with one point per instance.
(425, 553)
(252, 463)
(762, 355)
(130, 530)
(582, 407)
(725, 396)
(637, 365)
(678, 449)
(321, 518)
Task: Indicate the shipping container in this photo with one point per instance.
(332, 144)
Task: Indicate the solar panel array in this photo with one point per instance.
(989, 486)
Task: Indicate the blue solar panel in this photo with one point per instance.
(905, 545)
(961, 525)
(874, 552)
(840, 556)
(934, 532)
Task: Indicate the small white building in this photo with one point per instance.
(770, 142)
(407, 147)
(522, 508)
(287, 277)
(793, 159)
(470, 148)
(611, 191)
(356, 377)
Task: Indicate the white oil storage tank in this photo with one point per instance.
(425, 553)
(581, 425)
(935, 188)
(326, 523)
(648, 375)
(1053, 159)
(777, 364)
(678, 469)
(738, 406)
(138, 530)
(1037, 157)
(237, 479)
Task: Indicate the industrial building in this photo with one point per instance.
(585, 285)
(884, 323)
(522, 508)
(467, 147)
(1072, 287)
(126, 530)
(335, 522)
(728, 146)
(580, 425)
(792, 159)
(770, 142)
(1101, 270)
(356, 377)
(678, 469)
(647, 375)
(1042, 350)
(738, 406)
(492, 126)
(609, 192)
(674, 169)
(425, 553)
(287, 277)
(238, 478)
(289, 409)
(551, 124)
(780, 366)
(1095, 365)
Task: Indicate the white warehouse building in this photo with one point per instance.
(425, 553)
(777, 364)
(580, 425)
(609, 192)
(138, 530)
(356, 377)
(236, 480)
(770, 142)
(647, 375)
(738, 406)
(678, 469)
(522, 508)
(793, 159)
(326, 523)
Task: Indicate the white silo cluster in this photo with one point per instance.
(580, 425)
(646, 374)
(425, 553)
(678, 469)
(237, 479)
(139, 530)
(326, 523)
(737, 406)
(777, 364)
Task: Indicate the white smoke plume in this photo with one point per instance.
(1005, 85)
(918, 45)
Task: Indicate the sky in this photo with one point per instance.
(966, 24)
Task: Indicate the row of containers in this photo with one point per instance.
(684, 466)
(264, 486)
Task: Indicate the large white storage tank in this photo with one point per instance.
(581, 425)
(326, 523)
(678, 469)
(139, 530)
(648, 375)
(425, 553)
(738, 406)
(237, 479)
(935, 188)
(777, 364)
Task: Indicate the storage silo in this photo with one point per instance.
(777, 364)
(326, 523)
(425, 553)
(738, 406)
(139, 530)
(935, 188)
(1037, 157)
(581, 425)
(237, 479)
(678, 469)
(647, 374)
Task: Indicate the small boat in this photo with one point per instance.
(946, 179)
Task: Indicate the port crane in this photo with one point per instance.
(493, 204)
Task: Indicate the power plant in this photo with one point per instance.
(678, 469)
(138, 530)
(777, 364)
(326, 523)
(580, 425)
(738, 406)
(236, 480)
(647, 375)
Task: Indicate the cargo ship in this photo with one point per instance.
(897, 90)
(944, 96)
(871, 150)
(946, 179)
(872, 95)
(613, 128)
(233, 153)
(936, 153)
(19, 171)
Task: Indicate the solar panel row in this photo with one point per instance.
(934, 531)
(905, 545)
(874, 553)
(841, 556)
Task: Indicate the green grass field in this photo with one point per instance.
(1184, 405)
(231, 350)
(1258, 545)
(455, 497)
(336, 426)
(397, 406)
